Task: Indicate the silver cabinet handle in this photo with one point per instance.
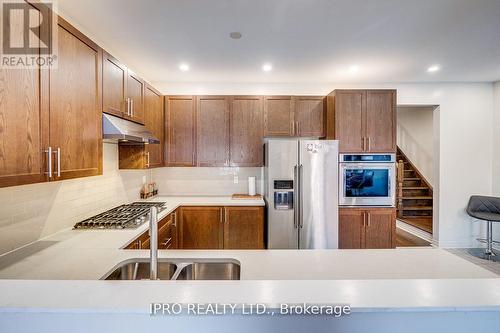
(131, 107)
(368, 138)
(293, 128)
(49, 161)
(147, 159)
(174, 219)
(129, 113)
(58, 154)
(368, 218)
(297, 128)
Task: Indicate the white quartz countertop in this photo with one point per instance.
(62, 273)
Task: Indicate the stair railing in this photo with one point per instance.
(400, 179)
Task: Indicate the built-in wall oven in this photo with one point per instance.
(367, 180)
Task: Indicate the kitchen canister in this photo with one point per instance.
(251, 185)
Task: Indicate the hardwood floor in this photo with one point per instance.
(405, 239)
(424, 223)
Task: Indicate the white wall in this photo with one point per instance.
(463, 140)
(205, 181)
(31, 212)
(415, 134)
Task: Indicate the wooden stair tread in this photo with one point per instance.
(417, 208)
(415, 188)
(426, 197)
(411, 178)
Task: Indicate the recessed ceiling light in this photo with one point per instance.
(184, 67)
(267, 67)
(433, 68)
(235, 35)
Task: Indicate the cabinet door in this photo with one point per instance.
(247, 131)
(76, 105)
(243, 228)
(201, 228)
(181, 131)
(135, 91)
(154, 120)
(379, 228)
(213, 131)
(114, 79)
(381, 120)
(310, 116)
(351, 228)
(278, 116)
(349, 124)
(23, 120)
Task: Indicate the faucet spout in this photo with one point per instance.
(153, 234)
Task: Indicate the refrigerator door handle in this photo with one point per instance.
(301, 218)
(296, 194)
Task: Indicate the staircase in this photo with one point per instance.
(414, 195)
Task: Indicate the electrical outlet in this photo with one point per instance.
(235, 179)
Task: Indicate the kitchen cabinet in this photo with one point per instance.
(75, 115)
(221, 228)
(363, 120)
(180, 127)
(286, 116)
(243, 228)
(246, 131)
(367, 228)
(279, 116)
(201, 228)
(24, 121)
(150, 155)
(309, 116)
(167, 235)
(123, 91)
(212, 115)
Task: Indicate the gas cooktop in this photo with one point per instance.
(122, 217)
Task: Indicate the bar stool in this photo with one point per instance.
(486, 209)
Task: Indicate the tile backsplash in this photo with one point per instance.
(206, 181)
(31, 212)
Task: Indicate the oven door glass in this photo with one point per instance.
(366, 182)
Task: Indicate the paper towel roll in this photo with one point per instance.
(251, 185)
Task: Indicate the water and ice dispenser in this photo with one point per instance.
(283, 194)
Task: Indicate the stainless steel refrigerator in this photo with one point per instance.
(301, 192)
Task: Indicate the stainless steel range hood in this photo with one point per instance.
(115, 129)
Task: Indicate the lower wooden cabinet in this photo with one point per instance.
(201, 228)
(221, 228)
(167, 235)
(370, 228)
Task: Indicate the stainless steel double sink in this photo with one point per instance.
(178, 269)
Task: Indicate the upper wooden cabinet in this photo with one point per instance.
(363, 120)
(114, 85)
(75, 106)
(370, 228)
(309, 116)
(279, 116)
(246, 131)
(180, 131)
(150, 155)
(135, 95)
(294, 116)
(212, 131)
(24, 121)
(123, 91)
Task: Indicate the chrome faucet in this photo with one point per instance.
(153, 234)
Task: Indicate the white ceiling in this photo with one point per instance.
(305, 40)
